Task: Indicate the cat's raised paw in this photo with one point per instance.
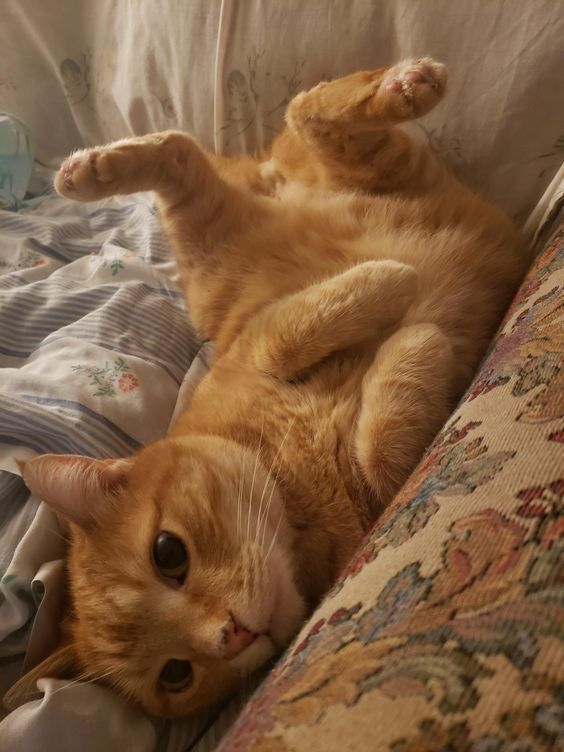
(413, 87)
(125, 166)
(84, 176)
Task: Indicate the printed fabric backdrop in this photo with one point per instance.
(87, 72)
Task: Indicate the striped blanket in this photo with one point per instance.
(94, 335)
(94, 344)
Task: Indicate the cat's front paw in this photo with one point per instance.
(387, 288)
(413, 87)
(126, 166)
(85, 176)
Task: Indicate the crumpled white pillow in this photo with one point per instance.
(69, 714)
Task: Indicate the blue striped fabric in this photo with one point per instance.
(53, 421)
(94, 335)
(42, 312)
(94, 344)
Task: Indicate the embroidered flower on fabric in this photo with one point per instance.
(116, 266)
(113, 259)
(27, 259)
(109, 379)
(127, 382)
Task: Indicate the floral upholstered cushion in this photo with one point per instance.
(446, 632)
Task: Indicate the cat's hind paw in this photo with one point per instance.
(413, 87)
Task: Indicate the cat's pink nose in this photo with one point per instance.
(236, 638)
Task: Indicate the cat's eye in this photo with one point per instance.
(170, 556)
(176, 675)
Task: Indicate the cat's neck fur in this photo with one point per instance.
(309, 462)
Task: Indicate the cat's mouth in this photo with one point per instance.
(255, 655)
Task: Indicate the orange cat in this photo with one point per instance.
(350, 285)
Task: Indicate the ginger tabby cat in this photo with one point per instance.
(350, 285)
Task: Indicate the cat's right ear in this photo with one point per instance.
(61, 664)
(76, 487)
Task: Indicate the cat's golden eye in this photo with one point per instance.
(170, 556)
(176, 675)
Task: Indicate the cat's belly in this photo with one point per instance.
(468, 266)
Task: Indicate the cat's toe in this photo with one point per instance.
(84, 176)
(413, 87)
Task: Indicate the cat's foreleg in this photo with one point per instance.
(169, 161)
(194, 199)
(301, 329)
(405, 401)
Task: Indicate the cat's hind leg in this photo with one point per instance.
(298, 331)
(369, 100)
(405, 401)
(349, 124)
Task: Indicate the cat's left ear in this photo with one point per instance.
(77, 487)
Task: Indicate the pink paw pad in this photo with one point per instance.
(394, 86)
(68, 169)
(409, 75)
(423, 74)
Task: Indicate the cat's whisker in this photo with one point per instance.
(240, 495)
(259, 516)
(52, 531)
(275, 481)
(269, 475)
(84, 679)
(263, 518)
(274, 536)
(253, 480)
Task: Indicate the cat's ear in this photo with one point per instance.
(74, 486)
(59, 665)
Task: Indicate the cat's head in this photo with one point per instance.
(179, 568)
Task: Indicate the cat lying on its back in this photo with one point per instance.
(350, 285)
